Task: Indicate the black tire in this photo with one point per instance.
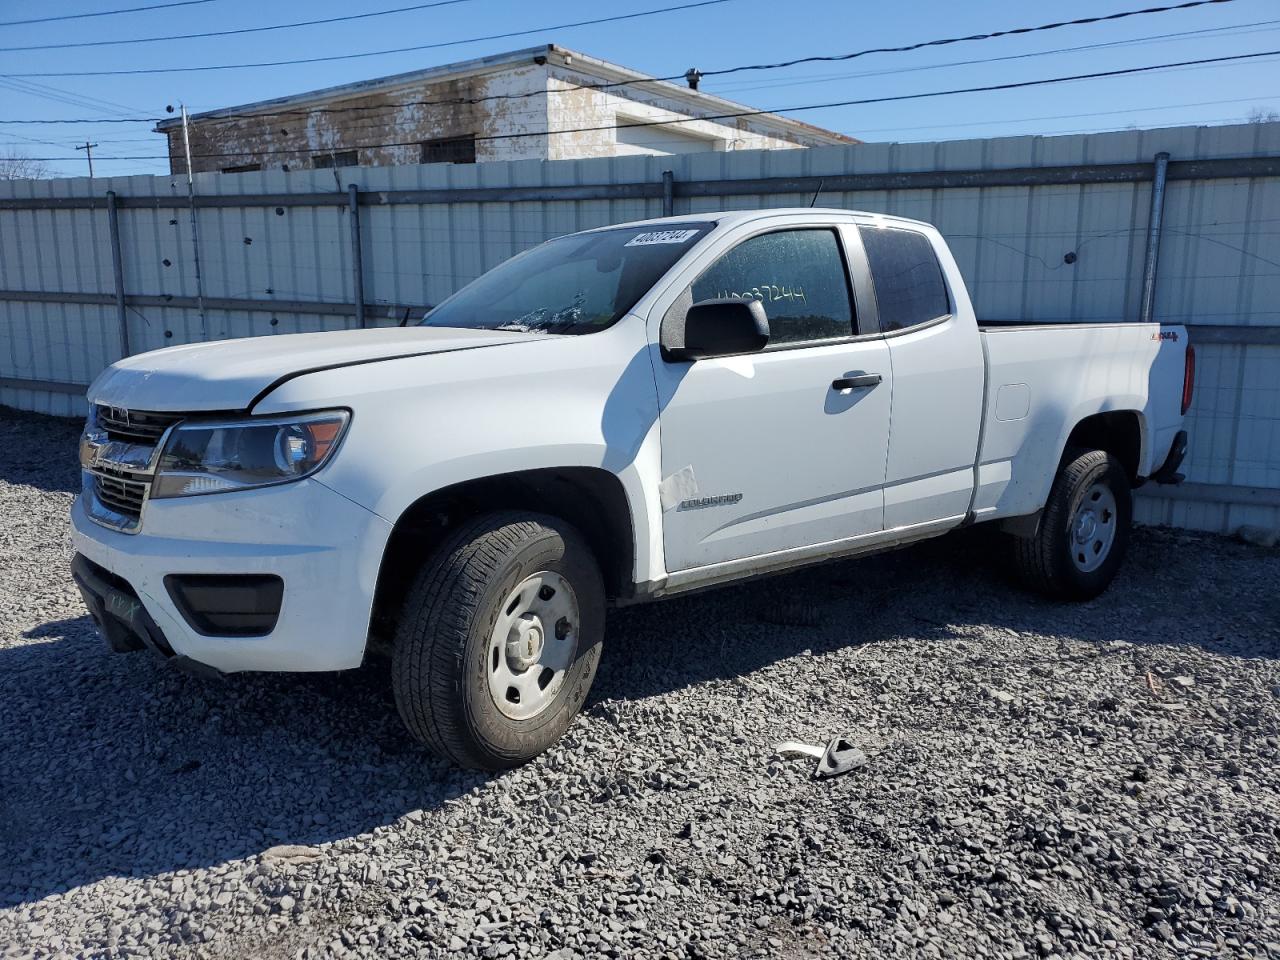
(443, 638)
(1047, 561)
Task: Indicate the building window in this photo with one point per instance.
(340, 158)
(243, 168)
(450, 150)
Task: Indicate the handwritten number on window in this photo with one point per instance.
(767, 293)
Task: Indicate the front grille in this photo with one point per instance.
(134, 426)
(120, 492)
(118, 453)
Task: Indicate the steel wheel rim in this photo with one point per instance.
(1093, 528)
(532, 645)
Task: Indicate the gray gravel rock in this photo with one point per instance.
(1040, 780)
(1259, 536)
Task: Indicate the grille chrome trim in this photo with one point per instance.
(134, 426)
(120, 492)
(124, 520)
(119, 454)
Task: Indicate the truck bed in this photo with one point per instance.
(1044, 378)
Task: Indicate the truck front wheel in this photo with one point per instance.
(499, 640)
(1084, 530)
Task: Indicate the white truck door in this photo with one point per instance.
(938, 370)
(786, 447)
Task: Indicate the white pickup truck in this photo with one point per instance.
(613, 416)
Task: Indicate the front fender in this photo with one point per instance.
(425, 423)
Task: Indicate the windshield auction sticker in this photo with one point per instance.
(661, 236)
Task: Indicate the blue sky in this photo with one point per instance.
(721, 35)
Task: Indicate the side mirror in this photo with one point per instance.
(716, 328)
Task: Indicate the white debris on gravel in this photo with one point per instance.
(1041, 779)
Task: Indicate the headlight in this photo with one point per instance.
(239, 454)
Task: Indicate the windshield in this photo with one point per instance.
(581, 283)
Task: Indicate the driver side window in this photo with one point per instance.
(798, 276)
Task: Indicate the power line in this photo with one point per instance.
(621, 83)
(379, 53)
(376, 123)
(32, 88)
(687, 6)
(1112, 128)
(228, 33)
(1072, 116)
(54, 143)
(992, 35)
(872, 100)
(1013, 85)
(1196, 64)
(102, 13)
(149, 140)
(51, 143)
(91, 120)
(837, 58)
(1232, 30)
(1257, 98)
(58, 95)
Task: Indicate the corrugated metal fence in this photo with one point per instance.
(1046, 229)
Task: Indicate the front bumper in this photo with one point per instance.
(114, 606)
(325, 548)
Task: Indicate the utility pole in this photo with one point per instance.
(195, 229)
(88, 152)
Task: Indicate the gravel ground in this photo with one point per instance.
(1042, 779)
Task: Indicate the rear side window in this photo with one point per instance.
(908, 281)
(798, 275)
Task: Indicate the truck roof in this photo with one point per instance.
(730, 217)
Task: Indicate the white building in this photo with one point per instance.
(544, 102)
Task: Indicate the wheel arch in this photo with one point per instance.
(593, 499)
(1121, 433)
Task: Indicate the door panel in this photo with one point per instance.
(780, 457)
(938, 372)
(786, 447)
(937, 409)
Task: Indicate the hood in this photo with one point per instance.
(230, 374)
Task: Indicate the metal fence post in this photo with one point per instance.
(117, 269)
(1147, 308)
(195, 227)
(668, 193)
(357, 260)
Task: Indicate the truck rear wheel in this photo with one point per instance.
(1084, 531)
(499, 640)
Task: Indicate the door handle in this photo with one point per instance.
(857, 381)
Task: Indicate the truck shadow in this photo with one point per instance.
(118, 765)
(1164, 596)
